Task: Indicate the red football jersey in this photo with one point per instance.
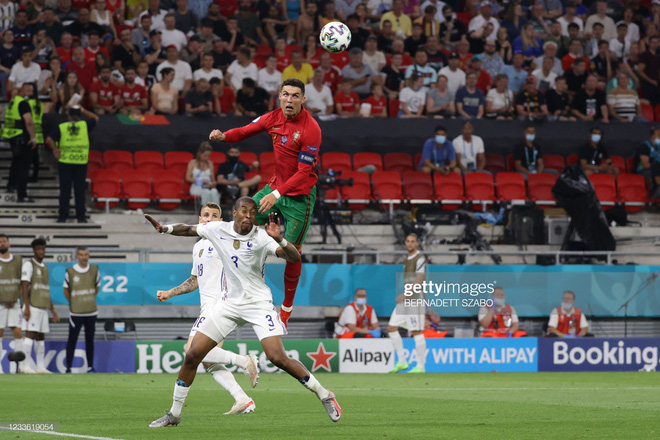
(331, 78)
(106, 93)
(348, 103)
(377, 107)
(133, 96)
(90, 55)
(227, 100)
(296, 144)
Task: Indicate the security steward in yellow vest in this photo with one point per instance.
(81, 285)
(70, 144)
(37, 117)
(20, 133)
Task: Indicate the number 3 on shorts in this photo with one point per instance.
(271, 324)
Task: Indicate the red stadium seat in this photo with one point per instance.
(248, 157)
(553, 162)
(510, 186)
(605, 187)
(417, 186)
(619, 162)
(399, 162)
(510, 163)
(149, 160)
(168, 189)
(657, 113)
(647, 112)
(479, 189)
(95, 157)
(137, 188)
(106, 188)
(495, 163)
(632, 191)
(416, 161)
(358, 195)
(630, 164)
(362, 159)
(387, 186)
(540, 188)
(337, 162)
(118, 160)
(177, 162)
(394, 108)
(572, 159)
(217, 157)
(449, 190)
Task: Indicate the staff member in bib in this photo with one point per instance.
(81, 285)
(70, 144)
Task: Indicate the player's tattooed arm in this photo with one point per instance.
(178, 229)
(187, 286)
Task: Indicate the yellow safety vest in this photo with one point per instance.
(74, 142)
(37, 108)
(14, 124)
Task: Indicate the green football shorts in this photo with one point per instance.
(296, 210)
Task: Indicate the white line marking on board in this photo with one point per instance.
(64, 434)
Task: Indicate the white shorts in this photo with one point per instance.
(12, 317)
(224, 317)
(38, 321)
(412, 323)
(203, 311)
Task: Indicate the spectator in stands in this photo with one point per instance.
(440, 103)
(360, 73)
(274, 25)
(470, 152)
(186, 19)
(200, 175)
(65, 12)
(346, 100)
(199, 100)
(207, 36)
(601, 17)
(623, 103)
(312, 51)
(570, 18)
(620, 46)
(126, 54)
(104, 95)
(528, 44)
(479, 23)
(527, 156)
(394, 76)
(51, 25)
(594, 157)
(499, 100)
(464, 55)
(540, 22)
(85, 72)
(545, 77)
(555, 36)
(223, 98)
(206, 69)
(242, 67)
(343, 8)
(140, 35)
(308, 22)
(155, 53)
(94, 48)
(400, 21)
(589, 103)
(452, 30)
(164, 95)
(43, 48)
(576, 77)
(574, 53)
(455, 76)
(503, 46)
(416, 41)
(632, 32)
(219, 26)
(438, 154)
(103, 17)
(270, 79)
(499, 320)
(514, 20)
(171, 35)
(144, 78)
(377, 104)
(9, 55)
(183, 72)
(331, 74)
(550, 51)
(591, 44)
(71, 92)
(319, 96)
(157, 14)
(558, 101)
(297, 69)
(412, 98)
(386, 37)
(372, 56)
(530, 104)
(65, 50)
(647, 160)
(516, 74)
(436, 58)
(231, 175)
(252, 100)
(483, 78)
(566, 320)
(192, 52)
(82, 27)
(421, 68)
(649, 71)
(22, 30)
(23, 72)
(492, 61)
(134, 98)
(602, 64)
(470, 101)
(358, 319)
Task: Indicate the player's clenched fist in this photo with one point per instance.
(163, 295)
(217, 135)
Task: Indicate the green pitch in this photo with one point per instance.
(435, 406)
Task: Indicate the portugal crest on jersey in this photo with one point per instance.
(237, 244)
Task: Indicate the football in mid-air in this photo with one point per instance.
(335, 37)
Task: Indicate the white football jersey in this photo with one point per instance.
(243, 258)
(207, 267)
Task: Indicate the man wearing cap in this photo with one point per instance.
(25, 71)
(455, 76)
(182, 70)
(171, 35)
(360, 74)
(154, 54)
(479, 22)
(70, 145)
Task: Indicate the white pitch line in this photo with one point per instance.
(63, 434)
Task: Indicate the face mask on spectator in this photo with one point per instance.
(530, 137)
(499, 302)
(361, 301)
(440, 139)
(566, 306)
(232, 159)
(595, 138)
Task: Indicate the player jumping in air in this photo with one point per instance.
(291, 192)
(206, 275)
(243, 249)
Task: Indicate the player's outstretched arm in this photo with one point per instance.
(178, 229)
(187, 286)
(288, 252)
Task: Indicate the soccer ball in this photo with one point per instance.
(335, 37)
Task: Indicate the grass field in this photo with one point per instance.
(434, 406)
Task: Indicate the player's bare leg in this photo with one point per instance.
(397, 343)
(291, 277)
(275, 352)
(200, 346)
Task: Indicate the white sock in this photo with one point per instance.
(226, 379)
(180, 394)
(218, 355)
(420, 349)
(397, 342)
(27, 346)
(40, 353)
(18, 346)
(314, 386)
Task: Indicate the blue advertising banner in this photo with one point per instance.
(109, 357)
(598, 354)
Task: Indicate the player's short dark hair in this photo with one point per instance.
(5, 236)
(242, 200)
(166, 71)
(595, 129)
(249, 82)
(415, 236)
(212, 205)
(81, 248)
(38, 242)
(571, 292)
(440, 128)
(294, 82)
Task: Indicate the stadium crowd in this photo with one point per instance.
(596, 60)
